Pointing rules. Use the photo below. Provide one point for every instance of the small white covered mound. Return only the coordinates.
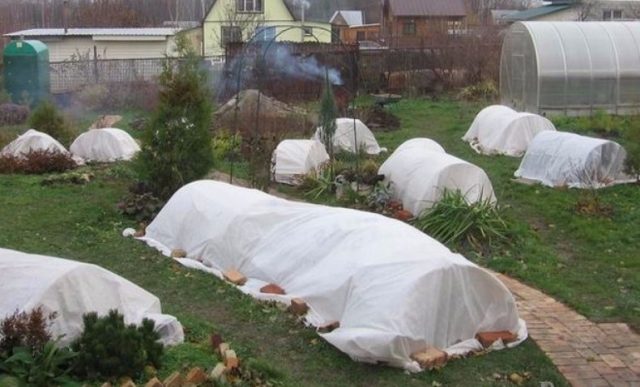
(393, 289)
(293, 159)
(30, 141)
(105, 145)
(501, 130)
(351, 136)
(419, 178)
(425, 144)
(558, 159)
(71, 289)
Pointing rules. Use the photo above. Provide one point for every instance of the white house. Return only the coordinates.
(103, 43)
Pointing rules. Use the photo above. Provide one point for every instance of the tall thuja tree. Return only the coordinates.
(327, 119)
(176, 143)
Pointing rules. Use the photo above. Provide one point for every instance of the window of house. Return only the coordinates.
(454, 27)
(612, 14)
(360, 36)
(231, 34)
(308, 31)
(265, 34)
(409, 27)
(249, 5)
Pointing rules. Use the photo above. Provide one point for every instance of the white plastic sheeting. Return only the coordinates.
(32, 140)
(419, 178)
(352, 135)
(501, 130)
(392, 288)
(293, 159)
(425, 144)
(105, 145)
(558, 159)
(71, 289)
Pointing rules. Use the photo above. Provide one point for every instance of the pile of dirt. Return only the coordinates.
(379, 119)
(274, 116)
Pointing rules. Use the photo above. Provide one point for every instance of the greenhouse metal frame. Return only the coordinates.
(572, 68)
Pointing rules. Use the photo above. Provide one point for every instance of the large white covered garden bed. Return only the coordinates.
(393, 289)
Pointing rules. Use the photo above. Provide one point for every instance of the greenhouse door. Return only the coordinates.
(518, 79)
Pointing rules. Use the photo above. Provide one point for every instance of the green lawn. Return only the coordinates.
(81, 222)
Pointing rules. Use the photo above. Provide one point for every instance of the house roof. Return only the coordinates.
(534, 13)
(427, 8)
(95, 32)
(350, 18)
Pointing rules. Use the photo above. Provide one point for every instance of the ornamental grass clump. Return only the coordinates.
(454, 221)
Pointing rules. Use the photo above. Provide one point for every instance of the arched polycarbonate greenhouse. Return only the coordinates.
(573, 68)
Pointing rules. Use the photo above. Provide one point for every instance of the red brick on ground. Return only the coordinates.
(235, 277)
(488, 338)
(196, 376)
(430, 358)
(298, 306)
(272, 289)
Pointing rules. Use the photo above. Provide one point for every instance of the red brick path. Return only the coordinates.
(587, 354)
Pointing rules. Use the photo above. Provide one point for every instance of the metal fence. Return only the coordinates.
(70, 76)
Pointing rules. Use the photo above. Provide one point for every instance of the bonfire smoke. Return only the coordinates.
(301, 67)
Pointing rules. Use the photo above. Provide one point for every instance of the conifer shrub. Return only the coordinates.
(47, 119)
(176, 143)
(109, 349)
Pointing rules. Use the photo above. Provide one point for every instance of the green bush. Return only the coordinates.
(453, 221)
(632, 135)
(46, 118)
(486, 90)
(225, 145)
(176, 143)
(108, 348)
(48, 367)
(27, 352)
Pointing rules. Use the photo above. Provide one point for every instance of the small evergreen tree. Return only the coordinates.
(176, 144)
(47, 119)
(327, 120)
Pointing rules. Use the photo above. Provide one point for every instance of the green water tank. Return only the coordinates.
(26, 70)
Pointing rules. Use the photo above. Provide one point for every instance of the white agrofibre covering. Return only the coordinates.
(71, 289)
(419, 178)
(32, 140)
(392, 288)
(293, 159)
(425, 144)
(352, 135)
(498, 129)
(558, 159)
(105, 145)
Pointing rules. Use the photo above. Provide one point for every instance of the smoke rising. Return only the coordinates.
(301, 67)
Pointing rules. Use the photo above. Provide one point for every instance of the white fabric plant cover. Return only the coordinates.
(425, 144)
(105, 145)
(293, 159)
(419, 178)
(32, 140)
(392, 288)
(558, 159)
(72, 289)
(501, 130)
(344, 139)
